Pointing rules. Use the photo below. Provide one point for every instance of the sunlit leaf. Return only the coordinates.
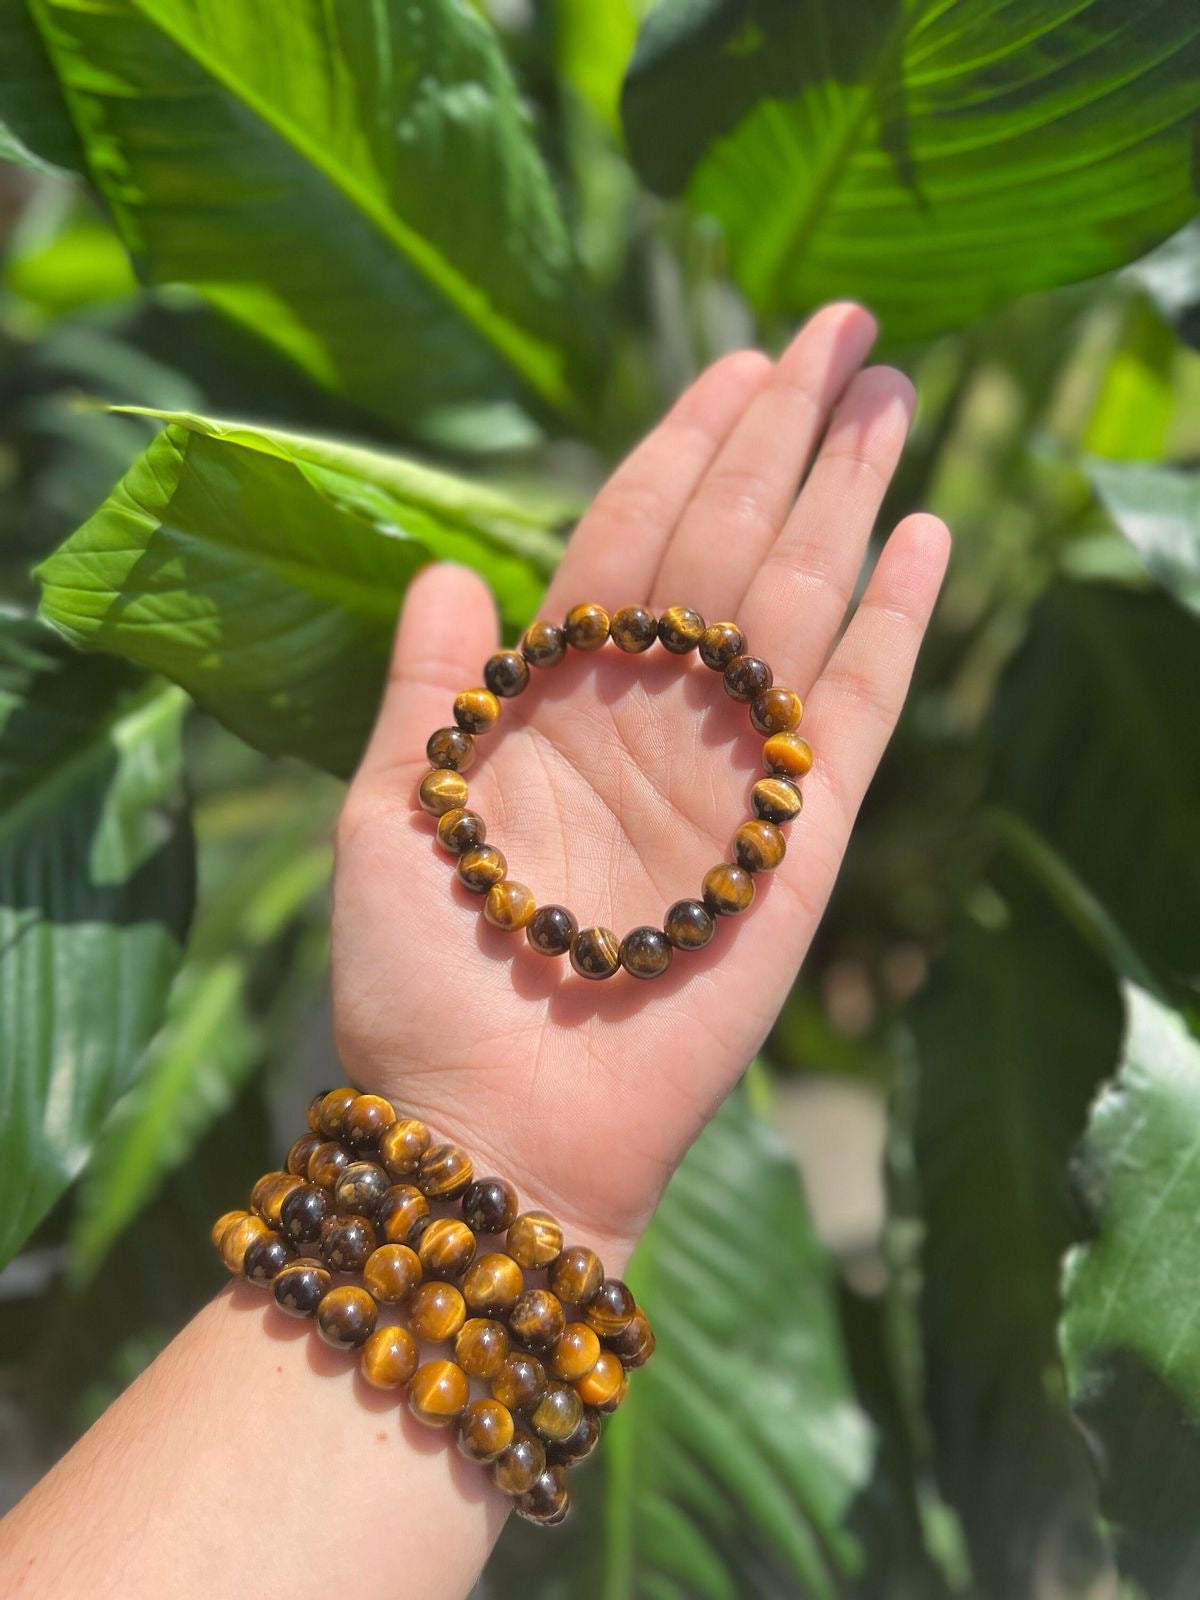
(1158, 510)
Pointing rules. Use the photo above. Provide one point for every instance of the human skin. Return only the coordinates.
(248, 1455)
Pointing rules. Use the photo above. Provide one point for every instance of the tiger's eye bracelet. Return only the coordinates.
(370, 1212)
(728, 888)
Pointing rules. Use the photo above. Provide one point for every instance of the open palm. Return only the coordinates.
(614, 782)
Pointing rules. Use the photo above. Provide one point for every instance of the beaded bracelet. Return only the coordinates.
(728, 888)
(354, 1223)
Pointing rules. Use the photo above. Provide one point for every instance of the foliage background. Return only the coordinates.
(382, 284)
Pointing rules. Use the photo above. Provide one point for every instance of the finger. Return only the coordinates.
(614, 552)
(736, 512)
(447, 631)
(797, 601)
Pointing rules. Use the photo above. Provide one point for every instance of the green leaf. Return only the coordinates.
(264, 571)
(1158, 511)
(35, 129)
(1129, 1330)
(931, 159)
(95, 895)
(357, 184)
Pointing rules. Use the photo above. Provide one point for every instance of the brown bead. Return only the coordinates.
(460, 830)
(360, 1188)
(224, 1221)
(298, 1156)
(442, 790)
(595, 953)
(265, 1256)
(580, 1444)
(391, 1273)
(489, 1205)
(548, 1501)
(493, 1284)
(519, 1467)
(537, 1319)
(476, 710)
(482, 1347)
(509, 906)
(480, 867)
(312, 1115)
(520, 1382)
(775, 800)
(271, 1207)
(535, 1239)
(634, 629)
(450, 747)
(303, 1212)
(368, 1117)
(599, 1386)
(586, 627)
(262, 1188)
(346, 1242)
(436, 1312)
(300, 1287)
(758, 846)
(576, 1353)
(776, 711)
(389, 1358)
(688, 925)
(346, 1317)
(333, 1109)
(485, 1430)
(610, 1309)
(576, 1275)
(551, 929)
(506, 674)
(634, 1345)
(403, 1145)
(558, 1413)
(327, 1163)
(746, 678)
(446, 1248)
(680, 629)
(719, 643)
(727, 889)
(787, 755)
(544, 644)
(438, 1393)
(400, 1207)
(645, 952)
(444, 1172)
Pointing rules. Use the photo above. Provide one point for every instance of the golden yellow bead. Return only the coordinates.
(680, 629)
(493, 1284)
(576, 1353)
(237, 1239)
(446, 1248)
(403, 1145)
(389, 1358)
(586, 626)
(436, 1312)
(460, 830)
(442, 790)
(535, 1239)
(438, 1393)
(727, 889)
(476, 710)
(787, 754)
(775, 800)
(509, 906)
(603, 1382)
(758, 846)
(482, 1347)
(225, 1220)
(391, 1273)
(480, 867)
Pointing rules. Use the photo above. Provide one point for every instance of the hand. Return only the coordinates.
(614, 782)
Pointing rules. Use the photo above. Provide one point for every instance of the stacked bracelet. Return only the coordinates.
(362, 1218)
(728, 888)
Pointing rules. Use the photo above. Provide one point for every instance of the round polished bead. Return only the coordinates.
(634, 1345)
(346, 1242)
(518, 1468)
(360, 1188)
(746, 678)
(226, 1220)
(727, 889)
(680, 629)
(332, 1111)
(389, 1358)
(327, 1163)
(300, 1286)
(603, 1383)
(489, 1205)
(544, 644)
(558, 1413)
(446, 1248)
(506, 674)
(645, 952)
(595, 953)
(271, 1203)
(460, 830)
(576, 1275)
(537, 1319)
(480, 867)
(482, 1347)
(758, 846)
(312, 1115)
(400, 1207)
(576, 1352)
(303, 1212)
(265, 1256)
(444, 1172)
(368, 1117)
(493, 1284)
(520, 1382)
(442, 790)
(476, 710)
(299, 1155)
(391, 1273)
(262, 1188)
(485, 1430)
(775, 800)
(719, 643)
(551, 929)
(534, 1240)
(688, 925)
(776, 711)
(509, 906)
(438, 1393)
(346, 1317)
(580, 1444)
(586, 627)
(436, 1312)
(450, 747)
(548, 1501)
(403, 1145)
(634, 629)
(611, 1308)
(787, 755)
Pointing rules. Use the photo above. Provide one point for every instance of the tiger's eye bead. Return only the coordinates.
(746, 678)
(551, 929)
(506, 674)
(576, 1275)
(436, 1312)
(776, 711)
(576, 1353)
(758, 846)
(460, 830)
(544, 644)
(535, 1239)
(413, 1237)
(634, 1345)
(389, 1358)
(313, 1113)
(400, 1207)
(485, 1430)
(611, 1308)
(346, 1242)
(579, 1444)
(476, 710)
(775, 800)
(482, 1347)
(333, 1109)
(438, 1393)
(446, 1248)
(265, 1256)
(603, 1382)
(391, 1273)
(688, 925)
(360, 1188)
(303, 1212)
(645, 952)
(442, 790)
(509, 906)
(327, 1163)
(260, 1195)
(787, 755)
(489, 1205)
(480, 867)
(595, 953)
(519, 1467)
(300, 1287)
(403, 1145)
(548, 1501)
(450, 747)
(537, 1319)
(298, 1156)
(727, 889)
(680, 629)
(558, 1413)
(493, 1284)
(346, 1317)
(634, 629)
(226, 1220)
(444, 1172)
(586, 627)
(719, 643)
(271, 1204)
(368, 1117)
(520, 1382)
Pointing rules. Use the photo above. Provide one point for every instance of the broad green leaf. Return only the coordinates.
(594, 42)
(1158, 511)
(35, 129)
(264, 571)
(931, 159)
(1129, 1331)
(95, 894)
(359, 184)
